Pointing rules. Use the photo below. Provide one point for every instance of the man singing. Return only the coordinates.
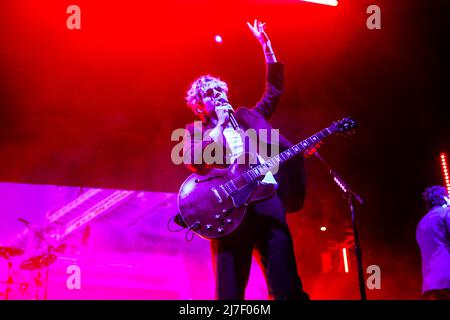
(264, 228)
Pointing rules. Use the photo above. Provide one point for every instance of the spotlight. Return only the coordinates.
(333, 3)
(218, 38)
(323, 228)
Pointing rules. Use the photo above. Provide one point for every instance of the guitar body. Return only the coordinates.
(207, 211)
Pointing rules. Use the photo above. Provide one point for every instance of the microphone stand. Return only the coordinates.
(39, 234)
(231, 117)
(233, 121)
(350, 195)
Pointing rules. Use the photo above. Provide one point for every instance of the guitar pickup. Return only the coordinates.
(216, 193)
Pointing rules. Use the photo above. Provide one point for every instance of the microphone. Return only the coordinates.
(24, 221)
(233, 121)
(224, 102)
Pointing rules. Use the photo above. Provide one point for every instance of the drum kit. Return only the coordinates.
(35, 263)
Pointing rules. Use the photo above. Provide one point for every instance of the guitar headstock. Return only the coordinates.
(345, 126)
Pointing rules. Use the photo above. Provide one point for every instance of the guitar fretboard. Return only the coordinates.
(261, 169)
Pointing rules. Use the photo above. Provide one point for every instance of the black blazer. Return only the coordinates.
(291, 175)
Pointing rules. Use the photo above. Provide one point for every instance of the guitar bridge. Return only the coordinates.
(216, 193)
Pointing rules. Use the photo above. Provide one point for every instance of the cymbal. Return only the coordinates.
(7, 252)
(38, 262)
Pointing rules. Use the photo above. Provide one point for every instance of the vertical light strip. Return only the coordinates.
(344, 255)
(444, 166)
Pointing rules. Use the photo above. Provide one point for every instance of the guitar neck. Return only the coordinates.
(342, 126)
(275, 161)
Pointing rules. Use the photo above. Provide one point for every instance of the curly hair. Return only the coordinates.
(194, 96)
(434, 196)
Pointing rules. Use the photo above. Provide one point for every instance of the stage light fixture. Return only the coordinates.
(333, 3)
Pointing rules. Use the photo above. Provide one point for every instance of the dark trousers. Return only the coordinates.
(264, 229)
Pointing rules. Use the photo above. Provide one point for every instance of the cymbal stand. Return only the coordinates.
(9, 280)
(46, 277)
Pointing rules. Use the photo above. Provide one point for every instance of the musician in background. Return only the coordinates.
(264, 227)
(433, 237)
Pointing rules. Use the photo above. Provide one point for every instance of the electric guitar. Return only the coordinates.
(213, 205)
